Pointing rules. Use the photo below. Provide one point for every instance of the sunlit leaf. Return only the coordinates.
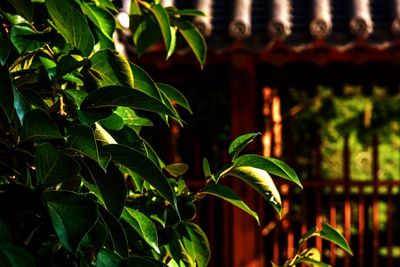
(164, 24)
(201, 247)
(174, 95)
(230, 196)
(177, 169)
(239, 143)
(27, 40)
(100, 17)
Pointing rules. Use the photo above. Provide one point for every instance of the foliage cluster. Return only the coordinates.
(79, 185)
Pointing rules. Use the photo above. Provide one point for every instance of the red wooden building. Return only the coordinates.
(259, 50)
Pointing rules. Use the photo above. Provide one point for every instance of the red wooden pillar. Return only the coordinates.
(245, 235)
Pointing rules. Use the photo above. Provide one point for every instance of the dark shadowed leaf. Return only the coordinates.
(94, 240)
(272, 166)
(71, 24)
(113, 96)
(4, 233)
(201, 247)
(239, 143)
(111, 187)
(143, 166)
(53, 166)
(7, 93)
(27, 40)
(144, 82)
(194, 38)
(119, 243)
(144, 41)
(5, 49)
(23, 7)
(139, 261)
(107, 258)
(261, 181)
(72, 216)
(143, 225)
(15, 256)
(67, 64)
(312, 262)
(81, 138)
(164, 24)
(38, 125)
(111, 68)
(174, 95)
(101, 18)
(227, 194)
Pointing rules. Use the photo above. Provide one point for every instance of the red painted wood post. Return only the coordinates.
(361, 225)
(375, 207)
(245, 231)
(347, 205)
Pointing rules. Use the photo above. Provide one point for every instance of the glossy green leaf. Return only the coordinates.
(180, 254)
(230, 196)
(331, 234)
(38, 125)
(7, 93)
(194, 38)
(15, 256)
(272, 166)
(143, 166)
(239, 143)
(101, 18)
(76, 96)
(71, 24)
(111, 68)
(26, 39)
(23, 7)
(207, 170)
(261, 181)
(72, 216)
(73, 78)
(128, 137)
(81, 138)
(5, 50)
(130, 118)
(53, 166)
(113, 122)
(164, 24)
(110, 185)
(144, 41)
(144, 82)
(311, 262)
(174, 95)
(201, 247)
(107, 258)
(143, 225)
(119, 242)
(5, 235)
(139, 261)
(177, 169)
(67, 64)
(21, 106)
(190, 12)
(113, 96)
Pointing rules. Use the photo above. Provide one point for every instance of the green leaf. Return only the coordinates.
(67, 64)
(5, 235)
(15, 256)
(111, 68)
(230, 196)
(82, 139)
(174, 95)
(71, 24)
(190, 12)
(38, 125)
(101, 18)
(164, 24)
(130, 118)
(107, 258)
(33, 98)
(23, 7)
(53, 166)
(72, 216)
(113, 96)
(27, 40)
(239, 143)
(95, 239)
(5, 50)
(272, 166)
(113, 122)
(76, 96)
(110, 185)
(139, 261)
(261, 181)
(119, 242)
(194, 38)
(177, 169)
(143, 166)
(144, 41)
(312, 262)
(206, 170)
(128, 137)
(201, 247)
(143, 225)
(331, 234)
(144, 82)
(179, 253)
(7, 93)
